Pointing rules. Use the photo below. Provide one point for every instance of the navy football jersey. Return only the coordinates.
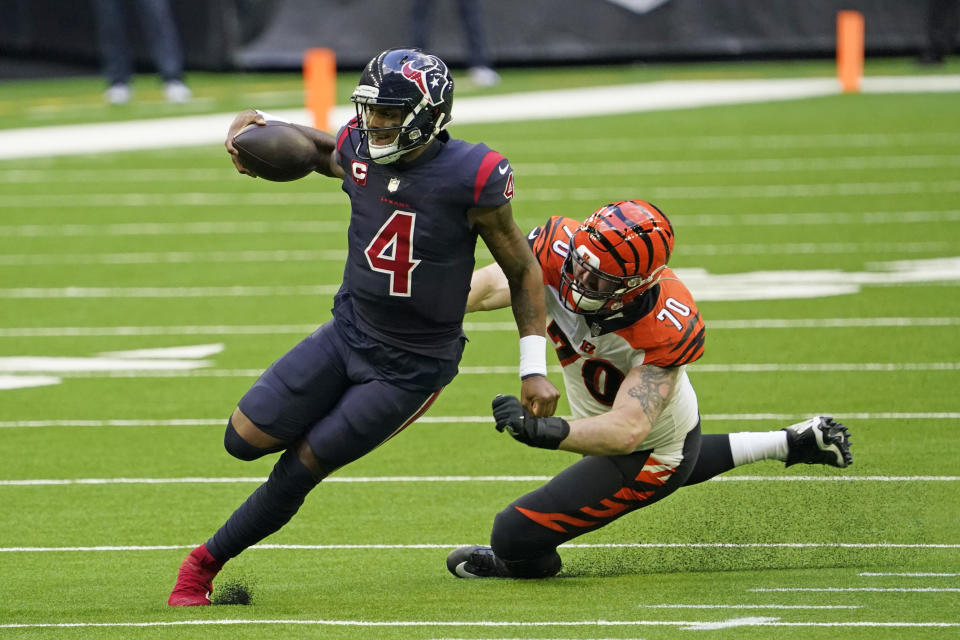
(411, 245)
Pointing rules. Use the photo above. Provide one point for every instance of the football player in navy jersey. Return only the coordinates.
(624, 327)
(418, 199)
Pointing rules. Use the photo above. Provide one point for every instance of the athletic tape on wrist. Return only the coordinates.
(533, 357)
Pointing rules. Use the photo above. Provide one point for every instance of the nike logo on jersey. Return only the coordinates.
(503, 169)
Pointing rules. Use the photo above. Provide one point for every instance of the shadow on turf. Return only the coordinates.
(608, 563)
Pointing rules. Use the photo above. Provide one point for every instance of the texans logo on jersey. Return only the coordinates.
(431, 79)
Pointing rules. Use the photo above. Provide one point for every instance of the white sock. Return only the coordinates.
(750, 446)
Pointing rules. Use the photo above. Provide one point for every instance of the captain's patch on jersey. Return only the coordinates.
(359, 172)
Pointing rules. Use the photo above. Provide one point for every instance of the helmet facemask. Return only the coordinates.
(614, 257)
(608, 293)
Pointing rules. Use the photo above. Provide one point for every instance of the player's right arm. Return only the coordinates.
(641, 399)
(325, 144)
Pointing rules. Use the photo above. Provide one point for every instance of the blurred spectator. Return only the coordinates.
(478, 58)
(156, 20)
(943, 21)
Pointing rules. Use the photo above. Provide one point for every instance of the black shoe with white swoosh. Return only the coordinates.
(475, 562)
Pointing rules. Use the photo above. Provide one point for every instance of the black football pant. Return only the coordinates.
(592, 493)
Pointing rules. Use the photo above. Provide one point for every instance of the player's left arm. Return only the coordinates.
(645, 391)
(512, 253)
(489, 289)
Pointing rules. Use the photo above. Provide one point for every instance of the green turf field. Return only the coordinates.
(109, 477)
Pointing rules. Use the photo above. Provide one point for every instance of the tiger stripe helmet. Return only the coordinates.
(615, 256)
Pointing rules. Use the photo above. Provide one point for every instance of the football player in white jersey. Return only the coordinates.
(624, 328)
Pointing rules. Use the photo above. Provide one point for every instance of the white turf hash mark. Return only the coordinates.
(638, 545)
(708, 417)
(306, 226)
(865, 589)
(297, 329)
(919, 574)
(733, 622)
(394, 479)
(582, 194)
(306, 255)
(479, 623)
(759, 367)
(749, 606)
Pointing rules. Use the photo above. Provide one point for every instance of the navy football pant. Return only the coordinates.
(331, 397)
(592, 493)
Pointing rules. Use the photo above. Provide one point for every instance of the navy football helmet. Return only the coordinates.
(415, 81)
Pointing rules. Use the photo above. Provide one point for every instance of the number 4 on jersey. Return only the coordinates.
(391, 252)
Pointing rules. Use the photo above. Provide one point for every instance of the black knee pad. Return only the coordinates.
(526, 549)
(524, 553)
(239, 448)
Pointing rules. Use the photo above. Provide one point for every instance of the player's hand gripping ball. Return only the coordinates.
(277, 151)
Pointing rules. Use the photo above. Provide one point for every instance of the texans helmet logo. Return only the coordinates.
(431, 80)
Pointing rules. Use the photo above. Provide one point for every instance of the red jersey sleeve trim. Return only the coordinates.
(344, 132)
(490, 160)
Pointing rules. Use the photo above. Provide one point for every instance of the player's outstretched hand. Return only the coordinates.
(510, 416)
(539, 396)
(243, 120)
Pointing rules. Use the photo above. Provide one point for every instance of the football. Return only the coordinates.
(277, 151)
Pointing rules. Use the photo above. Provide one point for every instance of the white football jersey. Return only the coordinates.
(597, 355)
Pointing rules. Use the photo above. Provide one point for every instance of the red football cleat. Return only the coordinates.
(195, 580)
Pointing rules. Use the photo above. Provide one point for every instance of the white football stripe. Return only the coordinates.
(428, 546)
(37, 482)
(284, 256)
(271, 329)
(465, 623)
(428, 419)
(307, 226)
(580, 194)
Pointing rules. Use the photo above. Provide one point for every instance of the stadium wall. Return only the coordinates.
(265, 34)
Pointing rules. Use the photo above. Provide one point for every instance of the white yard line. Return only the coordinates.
(234, 227)
(305, 255)
(123, 229)
(565, 103)
(542, 169)
(686, 624)
(707, 417)
(588, 194)
(858, 589)
(43, 482)
(273, 329)
(811, 367)
(604, 145)
(236, 291)
(414, 547)
(749, 606)
(920, 574)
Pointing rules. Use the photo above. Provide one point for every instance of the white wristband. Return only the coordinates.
(267, 116)
(533, 357)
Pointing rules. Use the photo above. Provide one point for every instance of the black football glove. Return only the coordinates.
(546, 433)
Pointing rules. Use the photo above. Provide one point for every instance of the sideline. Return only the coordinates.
(162, 133)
